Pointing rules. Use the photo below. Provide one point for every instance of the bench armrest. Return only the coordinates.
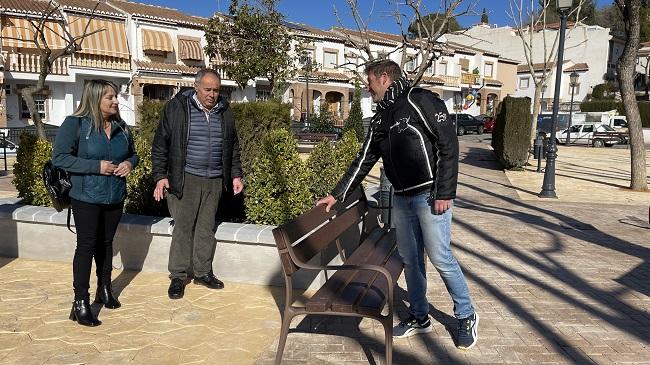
(377, 268)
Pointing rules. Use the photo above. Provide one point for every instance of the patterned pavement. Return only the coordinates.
(554, 282)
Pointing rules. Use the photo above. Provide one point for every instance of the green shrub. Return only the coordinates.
(510, 138)
(28, 169)
(328, 161)
(355, 119)
(254, 120)
(277, 188)
(324, 121)
(603, 91)
(140, 182)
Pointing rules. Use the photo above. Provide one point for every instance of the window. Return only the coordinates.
(431, 69)
(443, 68)
(382, 55)
(587, 129)
(575, 128)
(524, 82)
(410, 65)
(489, 68)
(622, 123)
(464, 64)
(576, 89)
(7, 89)
(262, 94)
(39, 99)
(330, 59)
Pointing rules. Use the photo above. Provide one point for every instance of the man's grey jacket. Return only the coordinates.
(417, 142)
(169, 148)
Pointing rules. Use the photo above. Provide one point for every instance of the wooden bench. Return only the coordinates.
(316, 137)
(362, 285)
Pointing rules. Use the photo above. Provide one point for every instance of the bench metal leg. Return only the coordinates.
(284, 332)
(388, 330)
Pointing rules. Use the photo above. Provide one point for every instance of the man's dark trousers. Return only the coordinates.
(193, 243)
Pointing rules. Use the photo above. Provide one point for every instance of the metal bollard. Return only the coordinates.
(538, 151)
(385, 197)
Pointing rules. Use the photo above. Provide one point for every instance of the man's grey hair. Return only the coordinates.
(206, 71)
(377, 68)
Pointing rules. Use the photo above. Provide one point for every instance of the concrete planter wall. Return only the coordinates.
(245, 252)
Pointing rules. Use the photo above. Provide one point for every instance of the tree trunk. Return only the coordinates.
(537, 103)
(626, 71)
(28, 94)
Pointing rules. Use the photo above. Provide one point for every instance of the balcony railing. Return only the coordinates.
(453, 81)
(101, 61)
(32, 63)
(469, 79)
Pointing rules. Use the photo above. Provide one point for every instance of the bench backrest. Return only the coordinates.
(312, 232)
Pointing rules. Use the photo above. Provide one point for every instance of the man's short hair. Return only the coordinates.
(391, 68)
(206, 71)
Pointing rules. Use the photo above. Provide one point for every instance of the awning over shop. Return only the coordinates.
(190, 49)
(19, 32)
(153, 40)
(109, 39)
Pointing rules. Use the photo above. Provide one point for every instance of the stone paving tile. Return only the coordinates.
(555, 282)
(206, 327)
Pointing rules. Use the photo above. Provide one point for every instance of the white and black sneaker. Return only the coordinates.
(412, 326)
(467, 332)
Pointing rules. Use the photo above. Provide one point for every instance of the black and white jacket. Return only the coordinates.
(416, 139)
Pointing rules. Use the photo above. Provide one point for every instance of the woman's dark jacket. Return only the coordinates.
(79, 149)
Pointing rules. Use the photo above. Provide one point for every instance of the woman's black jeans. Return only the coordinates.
(96, 225)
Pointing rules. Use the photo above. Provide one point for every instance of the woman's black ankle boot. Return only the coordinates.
(81, 313)
(105, 295)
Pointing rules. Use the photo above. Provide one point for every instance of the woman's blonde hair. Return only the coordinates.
(92, 95)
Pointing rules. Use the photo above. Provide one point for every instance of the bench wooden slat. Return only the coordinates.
(308, 221)
(324, 236)
(373, 302)
(363, 280)
(322, 299)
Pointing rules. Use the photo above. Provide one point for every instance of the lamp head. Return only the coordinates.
(574, 78)
(564, 5)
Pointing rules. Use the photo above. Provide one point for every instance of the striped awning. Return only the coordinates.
(190, 49)
(109, 39)
(153, 40)
(19, 32)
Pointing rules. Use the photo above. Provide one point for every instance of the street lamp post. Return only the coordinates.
(308, 68)
(574, 82)
(543, 91)
(548, 187)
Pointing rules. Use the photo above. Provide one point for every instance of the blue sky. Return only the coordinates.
(320, 13)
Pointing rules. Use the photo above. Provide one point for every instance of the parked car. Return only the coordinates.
(488, 122)
(10, 146)
(584, 134)
(467, 123)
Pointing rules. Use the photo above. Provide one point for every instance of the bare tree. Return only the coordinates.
(426, 45)
(626, 71)
(528, 20)
(39, 29)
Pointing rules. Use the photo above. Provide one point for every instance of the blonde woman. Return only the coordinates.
(95, 146)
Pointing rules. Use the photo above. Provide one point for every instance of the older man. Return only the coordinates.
(195, 154)
(417, 142)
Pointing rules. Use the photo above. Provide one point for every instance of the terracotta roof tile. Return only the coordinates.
(86, 6)
(158, 13)
(578, 67)
(35, 7)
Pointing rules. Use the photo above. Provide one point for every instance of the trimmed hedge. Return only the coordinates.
(328, 162)
(254, 120)
(277, 188)
(355, 118)
(606, 105)
(323, 122)
(28, 169)
(140, 182)
(511, 134)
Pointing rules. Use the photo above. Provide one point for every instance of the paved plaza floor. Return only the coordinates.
(554, 281)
